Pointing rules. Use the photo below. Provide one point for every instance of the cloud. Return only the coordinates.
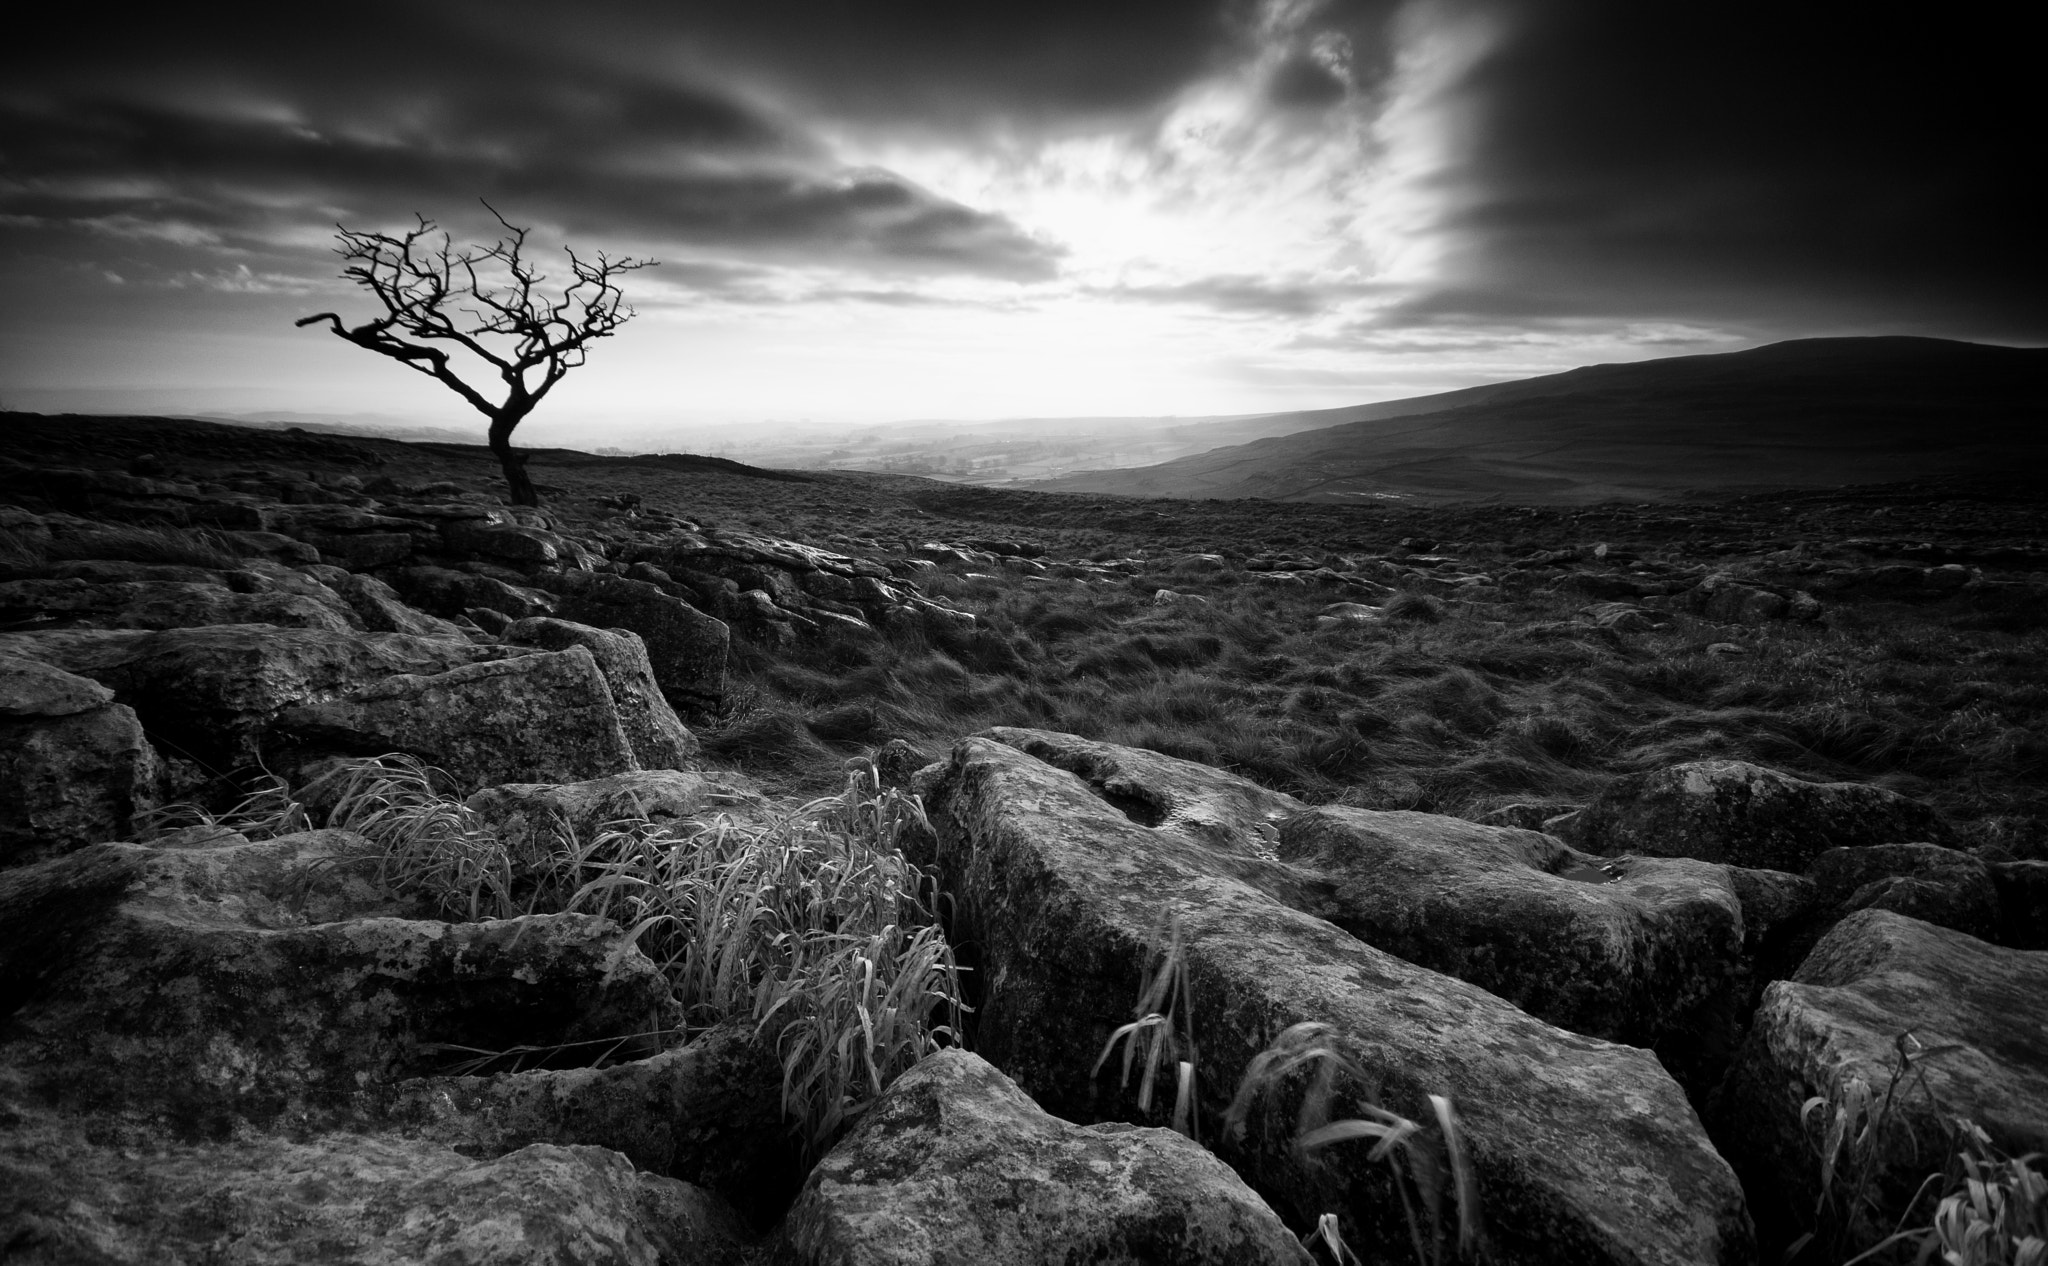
(287, 138)
(1241, 294)
(1128, 194)
(1803, 164)
(1302, 82)
(941, 65)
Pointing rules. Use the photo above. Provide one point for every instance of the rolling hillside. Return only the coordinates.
(1811, 412)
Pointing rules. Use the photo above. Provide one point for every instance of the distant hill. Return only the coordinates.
(377, 425)
(1005, 450)
(1810, 412)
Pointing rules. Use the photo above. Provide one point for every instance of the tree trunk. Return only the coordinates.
(513, 464)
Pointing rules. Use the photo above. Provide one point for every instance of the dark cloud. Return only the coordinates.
(1237, 293)
(1796, 162)
(1302, 82)
(941, 62)
(244, 137)
(1811, 167)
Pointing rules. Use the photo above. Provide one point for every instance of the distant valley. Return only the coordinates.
(1806, 413)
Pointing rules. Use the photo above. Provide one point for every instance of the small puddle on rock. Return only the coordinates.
(1138, 809)
(1588, 874)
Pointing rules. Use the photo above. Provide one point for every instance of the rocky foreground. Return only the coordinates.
(227, 1049)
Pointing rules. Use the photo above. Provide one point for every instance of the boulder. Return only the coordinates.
(274, 545)
(1338, 614)
(76, 767)
(953, 1163)
(166, 605)
(1723, 597)
(1745, 815)
(524, 547)
(31, 688)
(1629, 950)
(658, 739)
(107, 571)
(1924, 881)
(898, 760)
(349, 536)
(709, 1113)
(344, 1198)
(360, 551)
(1583, 1150)
(1875, 977)
(335, 520)
(47, 908)
(208, 694)
(257, 981)
(543, 717)
(447, 592)
(380, 608)
(686, 647)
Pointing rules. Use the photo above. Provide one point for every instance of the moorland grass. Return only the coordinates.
(1446, 705)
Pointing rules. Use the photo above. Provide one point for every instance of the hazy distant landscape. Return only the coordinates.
(1808, 413)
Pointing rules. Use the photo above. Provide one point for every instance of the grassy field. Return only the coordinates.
(1442, 705)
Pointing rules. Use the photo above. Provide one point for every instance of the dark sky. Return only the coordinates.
(883, 210)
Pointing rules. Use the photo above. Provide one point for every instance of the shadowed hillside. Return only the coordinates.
(1812, 412)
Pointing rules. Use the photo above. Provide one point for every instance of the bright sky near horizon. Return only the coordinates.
(893, 210)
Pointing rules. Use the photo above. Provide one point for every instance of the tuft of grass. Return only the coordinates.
(1162, 1000)
(1990, 1209)
(429, 843)
(811, 924)
(265, 812)
(22, 554)
(1419, 608)
(767, 736)
(1431, 1169)
(1994, 1208)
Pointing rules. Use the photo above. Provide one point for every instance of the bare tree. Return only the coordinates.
(484, 300)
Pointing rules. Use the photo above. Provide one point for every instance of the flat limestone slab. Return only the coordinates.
(1585, 1151)
(1625, 954)
(345, 1200)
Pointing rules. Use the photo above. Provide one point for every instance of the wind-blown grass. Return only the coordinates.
(810, 924)
(1431, 1171)
(267, 810)
(1448, 704)
(1162, 1036)
(1989, 1209)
